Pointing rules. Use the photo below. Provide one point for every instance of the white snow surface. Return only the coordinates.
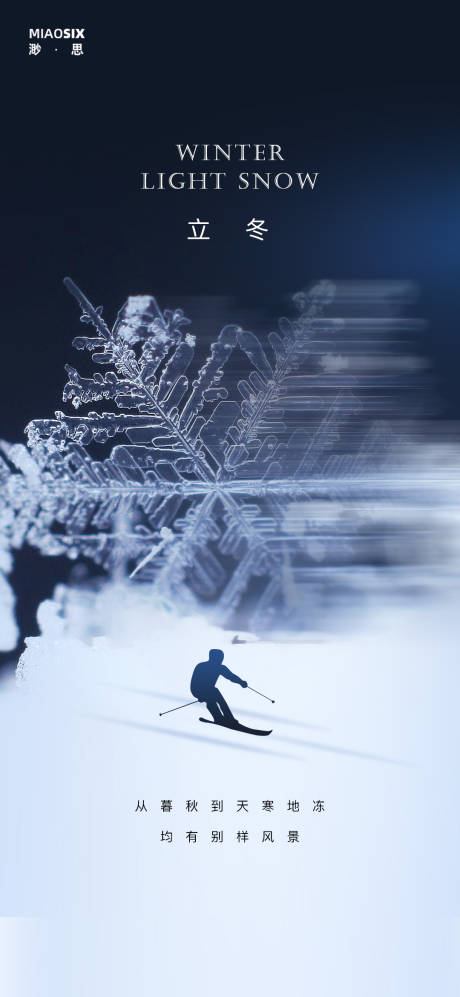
(365, 905)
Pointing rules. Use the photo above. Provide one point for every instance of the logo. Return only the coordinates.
(56, 33)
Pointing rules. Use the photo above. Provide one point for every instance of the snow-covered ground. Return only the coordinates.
(364, 905)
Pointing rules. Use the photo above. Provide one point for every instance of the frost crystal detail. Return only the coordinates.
(210, 493)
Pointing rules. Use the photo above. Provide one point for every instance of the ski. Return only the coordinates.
(237, 726)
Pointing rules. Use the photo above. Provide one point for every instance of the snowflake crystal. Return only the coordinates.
(205, 497)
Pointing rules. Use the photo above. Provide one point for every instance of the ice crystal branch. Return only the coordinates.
(203, 489)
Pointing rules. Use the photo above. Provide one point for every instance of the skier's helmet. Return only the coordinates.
(216, 656)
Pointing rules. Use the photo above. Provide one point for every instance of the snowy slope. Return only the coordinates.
(365, 720)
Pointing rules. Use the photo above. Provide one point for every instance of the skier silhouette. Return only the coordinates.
(203, 686)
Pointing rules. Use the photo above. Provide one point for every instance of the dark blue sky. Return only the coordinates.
(372, 108)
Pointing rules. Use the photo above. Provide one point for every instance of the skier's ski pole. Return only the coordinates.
(261, 694)
(178, 707)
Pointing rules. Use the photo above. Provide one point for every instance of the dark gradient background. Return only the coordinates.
(371, 105)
